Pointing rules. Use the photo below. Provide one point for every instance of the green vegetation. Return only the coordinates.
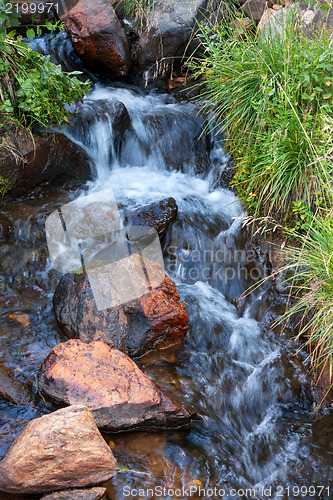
(312, 289)
(33, 91)
(273, 96)
(39, 91)
(137, 9)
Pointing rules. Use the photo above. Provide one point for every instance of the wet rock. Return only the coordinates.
(102, 110)
(21, 265)
(27, 163)
(110, 384)
(157, 215)
(5, 227)
(196, 143)
(166, 38)
(98, 36)
(55, 452)
(14, 391)
(92, 494)
(154, 321)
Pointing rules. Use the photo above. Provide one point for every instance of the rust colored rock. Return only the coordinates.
(119, 395)
(92, 494)
(55, 452)
(154, 321)
(157, 215)
(98, 36)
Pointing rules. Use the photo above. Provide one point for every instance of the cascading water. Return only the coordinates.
(232, 372)
(250, 389)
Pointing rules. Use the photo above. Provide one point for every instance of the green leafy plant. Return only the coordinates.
(33, 89)
(42, 90)
(5, 185)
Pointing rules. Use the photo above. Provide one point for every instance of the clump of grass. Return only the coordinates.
(135, 9)
(273, 95)
(312, 289)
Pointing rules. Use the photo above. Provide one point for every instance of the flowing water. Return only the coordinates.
(252, 392)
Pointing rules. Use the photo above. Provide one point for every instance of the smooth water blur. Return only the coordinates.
(251, 390)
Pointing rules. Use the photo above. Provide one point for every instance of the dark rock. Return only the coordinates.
(5, 227)
(14, 391)
(190, 132)
(157, 215)
(27, 163)
(154, 321)
(21, 264)
(101, 110)
(110, 384)
(98, 36)
(92, 494)
(254, 9)
(55, 452)
(170, 29)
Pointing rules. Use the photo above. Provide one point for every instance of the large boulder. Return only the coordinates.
(97, 36)
(158, 215)
(169, 28)
(110, 384)
(27, 162)
(55, 452)
(154, 321)
(92, 494)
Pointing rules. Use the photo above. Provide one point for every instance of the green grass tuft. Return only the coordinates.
(274, 99)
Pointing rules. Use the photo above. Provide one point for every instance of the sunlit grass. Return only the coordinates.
(273, 97)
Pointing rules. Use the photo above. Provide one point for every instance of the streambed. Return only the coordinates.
(253, 393)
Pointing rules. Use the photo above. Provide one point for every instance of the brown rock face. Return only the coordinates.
(27, 164)
(12, 390)
(98, 36)
(110, 384)
(55, 452)
(92, 494)
(154, 321)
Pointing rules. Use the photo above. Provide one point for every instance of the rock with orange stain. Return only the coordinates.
(21, 318)
(55, 452)
(154, 321)
(97, 36)
(119, 395)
